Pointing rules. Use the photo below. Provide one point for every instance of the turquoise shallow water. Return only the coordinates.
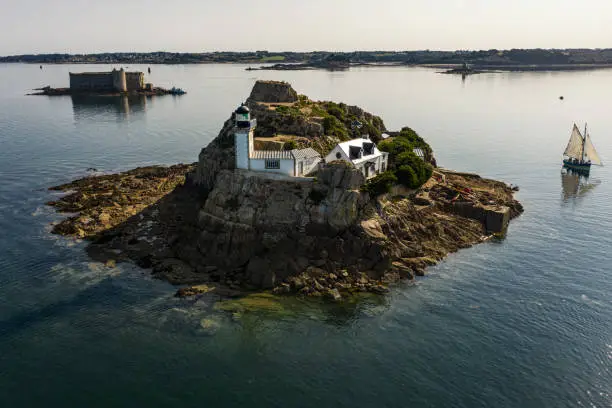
(523, 322)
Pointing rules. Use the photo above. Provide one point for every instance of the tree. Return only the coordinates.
(380, 184)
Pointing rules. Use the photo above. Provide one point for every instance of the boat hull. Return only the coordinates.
(584, 167)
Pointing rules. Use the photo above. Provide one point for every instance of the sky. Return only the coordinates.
(85, 26)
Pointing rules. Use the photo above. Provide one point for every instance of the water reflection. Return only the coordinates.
(576, 184)
(94, 107)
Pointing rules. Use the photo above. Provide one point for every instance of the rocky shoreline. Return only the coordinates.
(138, 216)
(212, 228)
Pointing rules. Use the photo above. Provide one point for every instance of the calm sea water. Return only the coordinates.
(523, 322)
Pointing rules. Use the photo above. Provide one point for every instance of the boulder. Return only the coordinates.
(341, 175)
(333, 294)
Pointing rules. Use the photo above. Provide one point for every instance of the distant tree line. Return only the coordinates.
(482, 57)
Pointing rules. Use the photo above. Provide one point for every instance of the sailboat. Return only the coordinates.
(580, 153)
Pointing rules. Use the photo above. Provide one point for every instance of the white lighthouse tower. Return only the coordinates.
(243, 136)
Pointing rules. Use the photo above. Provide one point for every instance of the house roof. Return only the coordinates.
(308, 153)
(358, 143)
(272, 154)
(295, 154)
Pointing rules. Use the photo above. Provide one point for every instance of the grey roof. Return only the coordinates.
(272, 154)
(308, 153)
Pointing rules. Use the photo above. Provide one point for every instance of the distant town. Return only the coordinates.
(325, 59)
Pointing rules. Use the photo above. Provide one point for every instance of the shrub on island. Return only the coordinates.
(410, 170)
(381, 184)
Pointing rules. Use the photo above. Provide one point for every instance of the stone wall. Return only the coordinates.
(134, 81)
(495, 219)
(86, 81)
(115, 80)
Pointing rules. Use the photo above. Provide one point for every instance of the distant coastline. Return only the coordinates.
(488, 60)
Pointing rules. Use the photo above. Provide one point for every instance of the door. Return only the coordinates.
(300, 168)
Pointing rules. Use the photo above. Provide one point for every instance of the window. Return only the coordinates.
(272, 164)
(338, 155)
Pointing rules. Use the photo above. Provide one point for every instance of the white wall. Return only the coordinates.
(360, 163)
(286, 166)
(377, 166)
(332, 155)
(309, 165)
(242, 150)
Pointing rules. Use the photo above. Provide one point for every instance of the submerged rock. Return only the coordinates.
(193, 291)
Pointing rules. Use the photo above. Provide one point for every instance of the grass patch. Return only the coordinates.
(273, 58)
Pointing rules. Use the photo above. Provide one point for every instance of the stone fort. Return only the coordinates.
(113, 81)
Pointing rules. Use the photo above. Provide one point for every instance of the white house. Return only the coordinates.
(363, 154)
(296, 163)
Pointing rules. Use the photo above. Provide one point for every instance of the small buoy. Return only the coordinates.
(561, 97)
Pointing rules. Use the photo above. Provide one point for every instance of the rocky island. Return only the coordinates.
(293, 196)
(111, 83)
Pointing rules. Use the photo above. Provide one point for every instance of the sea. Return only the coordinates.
(524, 321)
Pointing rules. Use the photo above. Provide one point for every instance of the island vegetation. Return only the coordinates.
(513, 59)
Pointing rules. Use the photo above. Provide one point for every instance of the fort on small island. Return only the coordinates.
(115, 82)
(314, 198)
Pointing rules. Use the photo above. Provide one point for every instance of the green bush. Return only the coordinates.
(414, 139)
(421, 170)
(333, 127)
(372, 131)
(395, 147)
(317, 110)
(409, 169)
(337, 112)
(283, 110)
(380, 184)
(378, 123)
(290, 145)
(293, 110)
(406, 176)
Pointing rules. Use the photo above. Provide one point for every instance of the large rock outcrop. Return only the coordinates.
(273, 92)
(274, 227)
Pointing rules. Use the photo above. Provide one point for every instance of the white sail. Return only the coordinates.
(574, 146)
(590, 153)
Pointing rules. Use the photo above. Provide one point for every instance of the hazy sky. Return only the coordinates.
(85, 26)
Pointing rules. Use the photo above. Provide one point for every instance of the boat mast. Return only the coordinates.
(583, 142)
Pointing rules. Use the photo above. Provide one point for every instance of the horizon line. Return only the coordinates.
(306, 52)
